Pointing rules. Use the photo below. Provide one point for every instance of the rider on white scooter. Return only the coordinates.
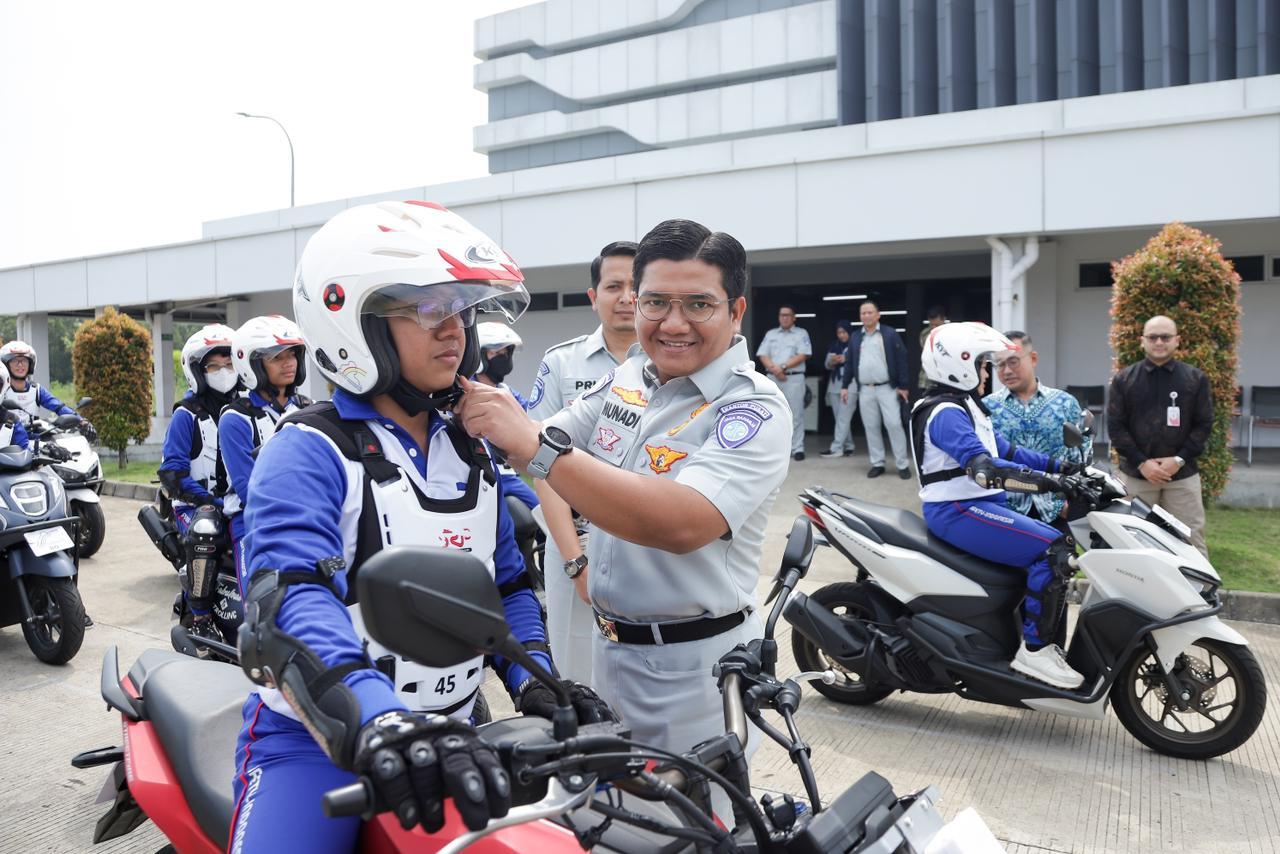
(965, 466)
(386, 296)
(20, 359)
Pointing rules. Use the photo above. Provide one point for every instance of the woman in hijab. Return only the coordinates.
(842, 440)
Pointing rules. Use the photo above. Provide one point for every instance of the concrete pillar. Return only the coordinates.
(1044, 50)
(1129, 59)
(884, 60)
(1083, 45)
(1175, 43)
(1268, 37)
(161, 323)
(237, 313)
(34, 329)
(1001, 57)
(851, 62)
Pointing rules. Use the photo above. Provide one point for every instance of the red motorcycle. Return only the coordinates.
(573, 788)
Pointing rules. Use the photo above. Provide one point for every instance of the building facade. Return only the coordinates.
(991, 157)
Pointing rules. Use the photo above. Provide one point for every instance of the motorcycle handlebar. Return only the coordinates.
(349, 801)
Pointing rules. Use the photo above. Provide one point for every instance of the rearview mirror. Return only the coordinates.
(799, 550)
(1071, 435)
(66, 422)
(10, 404)
(84, 401)
(431, 605)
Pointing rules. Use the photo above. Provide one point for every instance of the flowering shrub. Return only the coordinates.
(1181, 273)
(112, 362)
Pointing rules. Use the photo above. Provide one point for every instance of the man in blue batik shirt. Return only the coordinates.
(1030, 415)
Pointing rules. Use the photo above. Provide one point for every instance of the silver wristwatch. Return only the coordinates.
(1180, 461)
(554, 443)
(577, 566)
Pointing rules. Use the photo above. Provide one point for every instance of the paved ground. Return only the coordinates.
(1042, 783)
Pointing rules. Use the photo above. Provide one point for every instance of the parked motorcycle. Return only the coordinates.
(38, 590)
(81, 475)
(572, 788)
(924, 616)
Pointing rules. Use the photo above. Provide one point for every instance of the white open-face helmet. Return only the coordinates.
(261, 338)
(953, 351)
(413, 259)
(14, 349)
(497, 336)
(215, 336)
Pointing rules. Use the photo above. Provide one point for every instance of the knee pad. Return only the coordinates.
(203, 544)
(1061, 556)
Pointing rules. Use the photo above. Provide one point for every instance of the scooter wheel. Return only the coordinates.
(1224, 689)
(92, 530)
(58, 630)
(847, 601)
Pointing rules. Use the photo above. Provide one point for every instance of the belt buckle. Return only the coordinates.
(607, 628)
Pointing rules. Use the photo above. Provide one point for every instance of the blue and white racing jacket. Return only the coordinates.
(308, 502)
(191, 446)
(243, 426)
(37, 397)
(954, 434)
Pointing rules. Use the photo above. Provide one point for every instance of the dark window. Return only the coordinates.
(1095, 275)
(545, 301)
(1252, 268)
(577, 300)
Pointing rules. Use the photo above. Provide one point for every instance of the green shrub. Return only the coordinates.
(112, 361)
(1181, 273)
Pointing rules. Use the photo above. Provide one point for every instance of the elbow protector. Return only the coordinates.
(988, 475)
(315, 691)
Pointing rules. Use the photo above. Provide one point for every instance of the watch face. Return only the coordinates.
(555, 434)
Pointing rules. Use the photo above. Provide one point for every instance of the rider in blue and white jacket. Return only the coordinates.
(386, 297)
(270, 361)
(20, 359)
(965, 466)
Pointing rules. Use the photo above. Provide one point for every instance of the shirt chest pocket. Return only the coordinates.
(571, 388)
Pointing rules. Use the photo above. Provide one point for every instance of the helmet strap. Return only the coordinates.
(415, 402)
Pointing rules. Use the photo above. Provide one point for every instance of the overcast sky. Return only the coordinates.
(117, 125)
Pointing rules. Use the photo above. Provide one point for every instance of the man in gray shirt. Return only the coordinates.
(568, 370)
(676, 458)
(877, 361)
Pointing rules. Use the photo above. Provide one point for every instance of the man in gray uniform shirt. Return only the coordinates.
(568, 369)
(676, 458)
(783, 352)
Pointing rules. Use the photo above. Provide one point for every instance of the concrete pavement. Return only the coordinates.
(1042, 783)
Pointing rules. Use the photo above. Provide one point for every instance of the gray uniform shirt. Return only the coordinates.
(724, 431)
(872, 366)
(782, 344)
(568, 369)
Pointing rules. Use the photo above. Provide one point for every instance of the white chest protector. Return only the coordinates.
(937, 460)
(29, 400)
(204, 461)
(263, 420)
(454, 507)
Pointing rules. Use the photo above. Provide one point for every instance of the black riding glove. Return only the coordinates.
(89, 432)
(56, 452)
(540, 701)
(1070, 468)
(414, 762)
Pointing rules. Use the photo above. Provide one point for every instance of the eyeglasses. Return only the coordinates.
(1010, 364)
(697, 308)
(1160, 336)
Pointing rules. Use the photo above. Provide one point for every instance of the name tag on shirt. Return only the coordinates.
(1172, 417)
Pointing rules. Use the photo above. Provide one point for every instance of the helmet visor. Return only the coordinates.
(431, 305)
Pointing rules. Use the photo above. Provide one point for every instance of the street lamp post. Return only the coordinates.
(287, 139)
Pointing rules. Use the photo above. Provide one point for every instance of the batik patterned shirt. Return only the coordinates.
(1037, 426)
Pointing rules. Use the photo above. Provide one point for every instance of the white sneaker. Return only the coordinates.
(826, 455)
(1048, 664)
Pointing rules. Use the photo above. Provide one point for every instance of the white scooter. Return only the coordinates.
(81, 475)
(924, 616)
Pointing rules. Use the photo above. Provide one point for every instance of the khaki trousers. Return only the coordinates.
(1179, 497)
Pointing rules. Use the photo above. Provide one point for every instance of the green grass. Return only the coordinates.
(1244, 545)
(138, 471)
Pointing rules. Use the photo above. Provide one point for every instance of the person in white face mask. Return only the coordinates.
(191, 473)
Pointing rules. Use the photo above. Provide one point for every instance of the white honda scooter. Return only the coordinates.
(81, 475)
(924, 616)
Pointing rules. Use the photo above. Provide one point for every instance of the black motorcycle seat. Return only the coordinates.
(195, 707)
(521, 518)
(905, 529)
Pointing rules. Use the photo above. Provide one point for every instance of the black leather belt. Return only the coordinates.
(871, 385)
(793, 373)
(648, 633)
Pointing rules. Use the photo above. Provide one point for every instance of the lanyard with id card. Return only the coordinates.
(1173, 415)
